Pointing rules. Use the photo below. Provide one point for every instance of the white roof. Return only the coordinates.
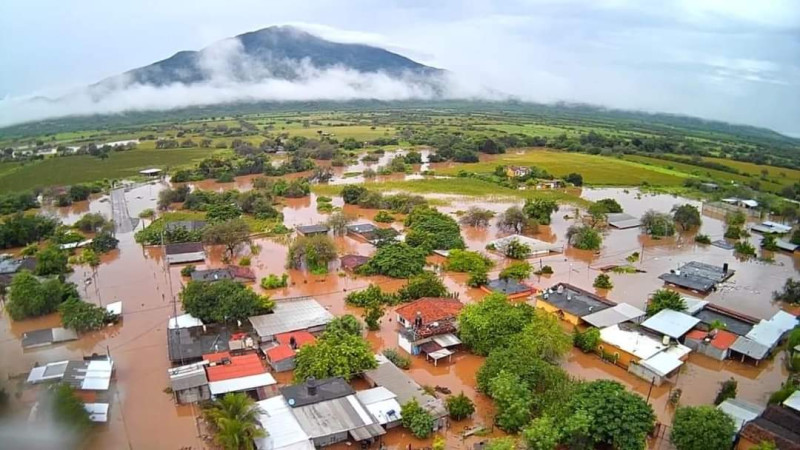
(98, 412)
(47, 372)
(98, 375)
(184, 321)
(694, 305)
(114, 308)
(381, 403)
(662, 363)
(284, 431)
(793, 401)
(740, 411)
(622, 312)
(535, 245)
(241, 383)
(439, 354)
(72, 245)
(671, 323)
(765, 333)
(777, 226)
(750, 203)
(447, 340)
(633, 342)
(783, 321)
(291, 315)
(149, 171)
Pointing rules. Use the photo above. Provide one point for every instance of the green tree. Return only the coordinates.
(315, 252)
(492, 322)
(657, 224)
(476, 217)
(617, 417)
(513, 401)
(610, 205)
(223, 301)
(67, 408)
(223, 212)
(372, 315)
(702, 428)
(584, 238)
(397, 260)
(51, 260)
(542, 434)
(504, 443)
(346, 324)
(104, 242)
(516, 271)
(334, 355)
(686, 216)
(82, 316)
(92, 223)
(478, 278)
(460, 406)
(338, 223)
(431, 230)
(515, 249)
(727, 389)
(30, 297)
(603, 281)
(744, 248)
(587, 340)
(575, 178)
(790, 293)
(770, 243)
(351, 193)
(795, 237)
(665, 299)
(540, 210)
(467, 261)
(235, 419)
(426, 284)
(232, 234)
(514, 220)
(418, 421)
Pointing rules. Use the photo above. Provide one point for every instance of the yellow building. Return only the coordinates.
(571, 303)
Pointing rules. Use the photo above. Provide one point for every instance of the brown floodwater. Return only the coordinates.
(142, 416)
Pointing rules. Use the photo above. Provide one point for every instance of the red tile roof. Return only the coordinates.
(240, 366)
(301, 338)
(697, 335)
(280, 352)
(723, 340)
(432, 309)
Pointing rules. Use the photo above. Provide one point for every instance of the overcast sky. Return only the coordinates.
(734, 60)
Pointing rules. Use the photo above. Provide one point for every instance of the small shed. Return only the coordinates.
(211, 275)
(741, 411)
(697, 276)
(189, 383)
(715, 344)
(47, 336)
(303, 313)
(244, 373)
(185, 252)
(383, 405)
(512, 289)
(282, 356)
(353, 262)
(622, 312)
(150, 172)
(622, 221)
(310, 230)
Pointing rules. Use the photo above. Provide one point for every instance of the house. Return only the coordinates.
(245, 373)
(242, 274)
(769, 227)
(383, 405)
(571, 303)
(188, 339)
(300, 314)
(764, 337)
(622, 221)
(512, 289)
(536, 246)
(715, 344)
(742, 203)
(668, 322)
(185, 252)
(619, 313)
(90, 378)
(189, 383)
(211, 275)
(47, 336)
(329, 412)
(698, 277)
(734, 322)
(741, 411)
(778, 424)
(10, 266)
(549, 184)
(150, 172)
(365, 231)
(283, 430)
(643, 354)
(310, 230)
(281, 356)
(787, 246)
(352, 262)
(427, 325)
(517, 171)
(406, 389)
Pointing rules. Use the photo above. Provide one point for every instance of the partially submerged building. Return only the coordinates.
(778, 424)
(769, 227)
(311, 230)
(383, 405)
(47, 336)
(211, 275)
(283, 430)
(188, 339)
(281, 357)
(622, 221)
(244, 374)
(698, 277)
(90, 378)
(512, 289)
(641, 353)
(671, 323)
(189, 383)
(428, 325)
(301, 314)
(617, 314)
(185, 252)
(188, 225)
(537, 247)
(352, 262)
(406, 389)
(370, 233)
(571, 303)
(741, 411)
(764, 337)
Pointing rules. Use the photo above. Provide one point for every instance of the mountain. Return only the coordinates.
(280, 52)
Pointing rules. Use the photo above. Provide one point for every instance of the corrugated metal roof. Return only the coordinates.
(188, 376)
(740, 411)
(622, 312)
(241, 383)
(376, 394)
(671, 323)
(662, 363)
(750, 348)
(285, 432)
(793, 401)
(395, 380)
(447, 340)
(633, 342)
(184, 321)
(291, 315)
(622, 220)
(98, 412)
(765, 333)
(344, 414)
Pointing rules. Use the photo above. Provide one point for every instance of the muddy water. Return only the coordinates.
(138, 345)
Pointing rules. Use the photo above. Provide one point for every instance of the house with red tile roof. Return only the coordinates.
(714, 344)
(244, 373)
(282, 356)
(428, 326)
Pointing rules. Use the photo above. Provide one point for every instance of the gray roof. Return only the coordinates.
(750, 348)
(574, 300)
(187, 377)
(732, 324)
(46, 336)
(507, 287)
(362, 228)
(622, 220)
(740, 411)
(723, 244)
(9, 265)
(403, 386)
(184, 247)
(344, 414)
(190, 344)
(312, 229)
(697, 276)
(212, 275)
(622, 312)
(291, 315)
(786, 245)
(671, 323)
(326, 389)
(188, 225)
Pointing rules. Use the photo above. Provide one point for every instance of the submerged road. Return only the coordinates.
(119, 210)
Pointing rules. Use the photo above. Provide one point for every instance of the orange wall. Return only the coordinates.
(625, 359)
(567, 317)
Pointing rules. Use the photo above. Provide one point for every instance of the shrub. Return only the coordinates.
(315, 252)
(426, 284)
(384, 217)
(727, 389)
(545, 270)
(187, 270)
(476, 217)
(81, 316)
(418, 421)
(686, 216)
(478, 278)
(517, 250)
(272, 281)
(460, 406)
(744, 248)
(789, 294)
(658, 224)
(244, 261)
(603, 281)
(401, 361)
(467, 261)
(586, 340)
(702, 239)
(665, 299)
(584, 238)
(516, 271)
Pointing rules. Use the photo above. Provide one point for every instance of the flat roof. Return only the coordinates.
(344, 414)
(749, 347)
(188, 376)
(634, 342)
(741, 411)
(536, 246)
(48, 372)
(622, 220)
(245, 383)
(184, 321)
(662, 363)
(732, 324)
(186, 344)
(98, 412)
(94, 375)
(150, 171)
(362, 228)
(291, 315)
(312, 229)
(403, 386)
(793, 401)
(211, 275)
(671, 323)
(283, 430)
(326, 389)
(184, 247)
(697, 276)
(47, 336)
(508, 287)
(622, 312)
(574, 300)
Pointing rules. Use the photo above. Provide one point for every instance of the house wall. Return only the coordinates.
(706, 349)
(403, 343)
(186, 257)
(330, 439)
(645, 374)
(283, 365)
(193, 395)
(624, 359)
(565, 316)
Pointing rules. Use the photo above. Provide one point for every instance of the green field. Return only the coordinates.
(596, 170)
(780, 175)
(80, 169)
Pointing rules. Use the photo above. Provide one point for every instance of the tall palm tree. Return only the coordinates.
(235, 417)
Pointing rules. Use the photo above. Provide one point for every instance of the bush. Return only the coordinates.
(476, 217)
(727, 389)
(584, 238)
(426, 284)
(478, 278)
(789, 294)
(516, 271)
(665, 299)
(315, 252)
(351, 193)
(702, 239)
(81, 316)
(396, 260)
(603, 281)
(272, 281)
(467, 261)
(372, 294)
(545, 270)
(188, 270)
(658, 224)
(460, 407)
(384, 217)
(416, 420)
(744, 248)
(244, 261)
(68, 410)
(401, 361)
(586, 340)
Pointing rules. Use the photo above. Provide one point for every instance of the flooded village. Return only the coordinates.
(152, 370)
